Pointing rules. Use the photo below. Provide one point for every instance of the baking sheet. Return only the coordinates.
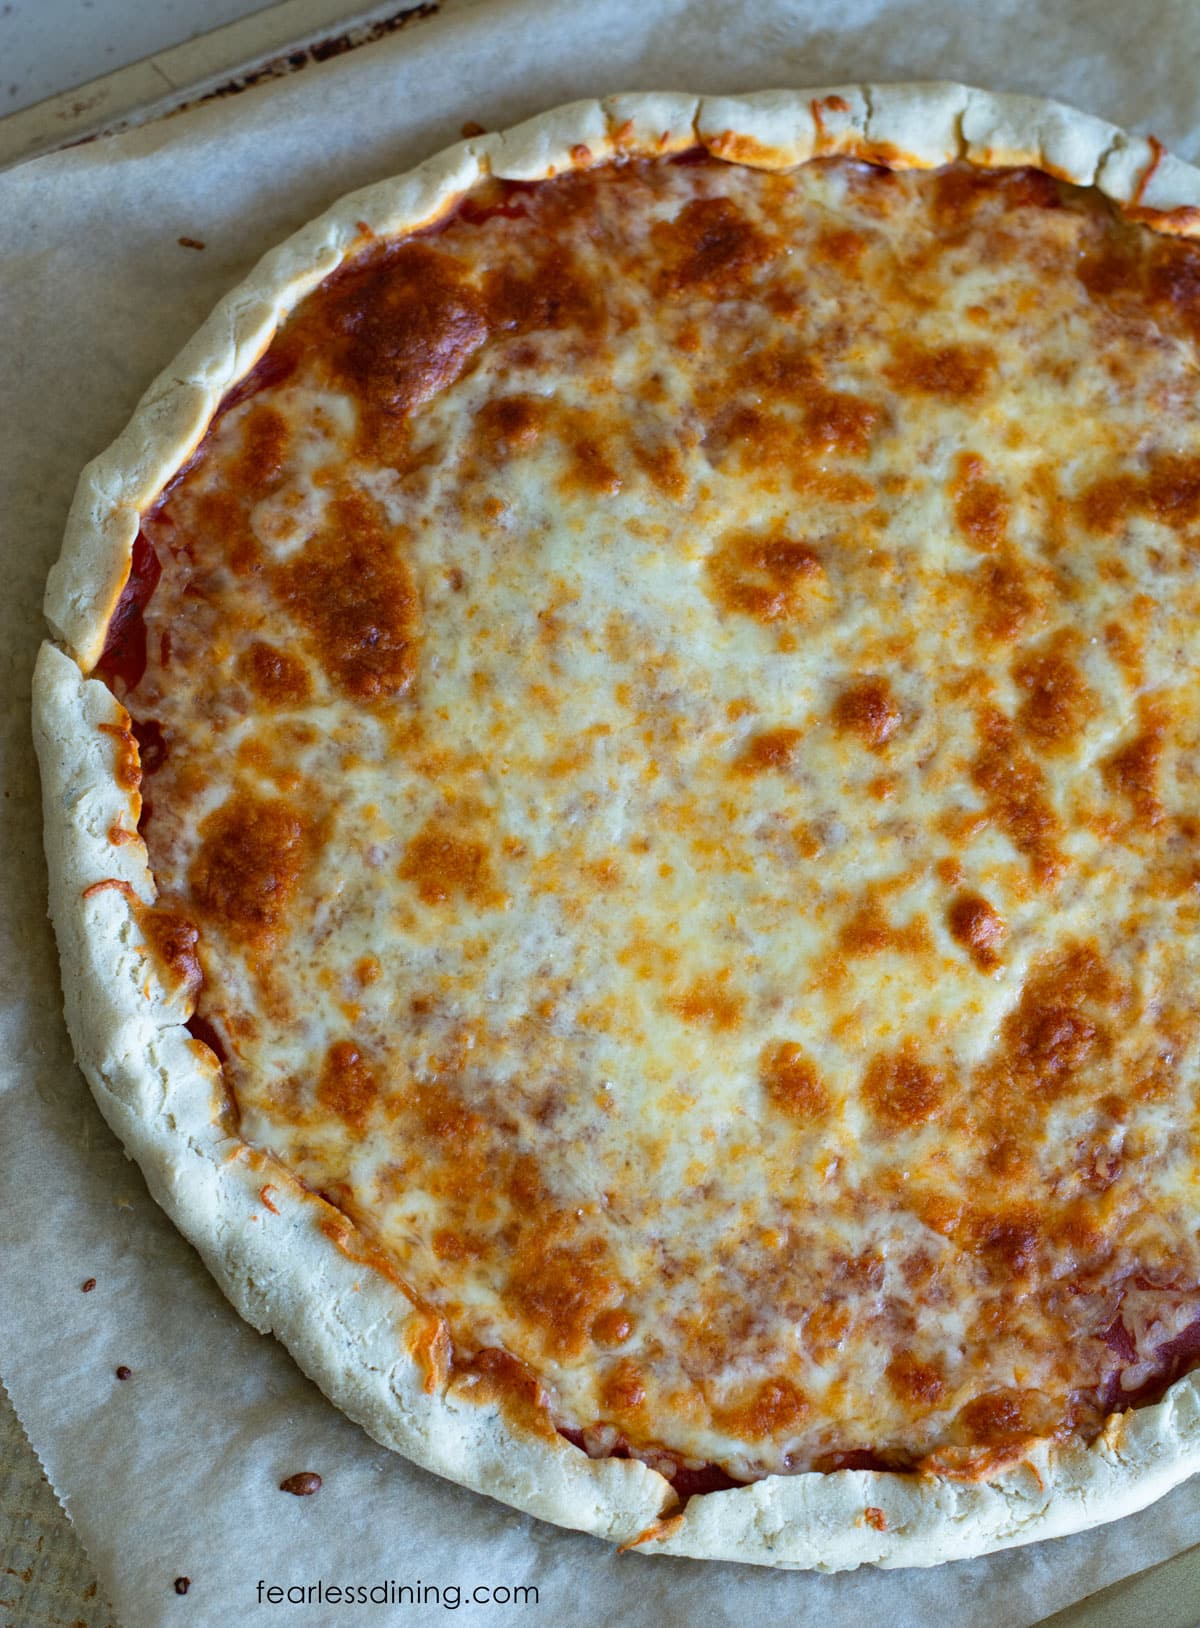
(267, 44)
(174, 1471)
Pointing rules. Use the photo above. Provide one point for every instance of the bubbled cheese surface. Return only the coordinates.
(672, 703)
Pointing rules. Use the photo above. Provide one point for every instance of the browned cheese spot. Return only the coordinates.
(624, 1387)
(253, 853)
(591, 470)
(457, 1147)
(1055, 1030)
(775, 1407)
(1007, 1239)
(1133, 769)
(1057, 699)
(839, 422)
(554, 295)
(1112, 271)
(840, 246)
(1004, 601)
(661, 461)
(1172, 492)
(562, 1291)
(508, 425)
(411, 322)
(825, 1328)
(445, 865)
(763, 576)
(448, 1246)
(606, 873)
(710, 247)
(773, 749)
(1173, 284)
(980, 505)
(997, 1419)
(869, 931)
(354, 595)
(961, 191)
(901, 1091)
(1107, 503)
(1169, 492)
(792, 1083)
(784, 370)
(276, 677)
(173, 939)
(711, 1002)
(263, 454)
(347, 1087)
(223, 514)
(868, 710)
(951, 372)
(978, 928)
(918, 1383)
(1016, 795)
(612, 1327)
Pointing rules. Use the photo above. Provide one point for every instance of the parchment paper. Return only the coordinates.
(174, 1471)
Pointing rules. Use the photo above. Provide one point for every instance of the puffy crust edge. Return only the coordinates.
(161, 1091)
(819, 1522)
(258, 1229)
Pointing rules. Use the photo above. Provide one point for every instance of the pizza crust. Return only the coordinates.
(818, 1522)
(161, 1091)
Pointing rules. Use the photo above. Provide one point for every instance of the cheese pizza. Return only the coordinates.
(619, 749)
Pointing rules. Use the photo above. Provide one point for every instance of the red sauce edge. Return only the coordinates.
(1172, 1360)
(152, 743)
(123, 658)
(272, 367)
(687, 1483)
(474, 214)
(201, 1029)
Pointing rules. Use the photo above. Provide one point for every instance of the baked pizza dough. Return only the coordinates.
(619, 750)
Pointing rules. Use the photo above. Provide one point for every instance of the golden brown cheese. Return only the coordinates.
(671, 703)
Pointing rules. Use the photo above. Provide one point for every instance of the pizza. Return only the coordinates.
(620, 748)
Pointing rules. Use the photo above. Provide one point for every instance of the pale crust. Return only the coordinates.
(346, 1325)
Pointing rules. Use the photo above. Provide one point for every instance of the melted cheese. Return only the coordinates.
(674, 711)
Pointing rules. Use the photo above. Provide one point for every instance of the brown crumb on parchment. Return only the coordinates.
(124, 1373)
(182, 1584)
(87, 1285)
(301, 1485)
(189, 242)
